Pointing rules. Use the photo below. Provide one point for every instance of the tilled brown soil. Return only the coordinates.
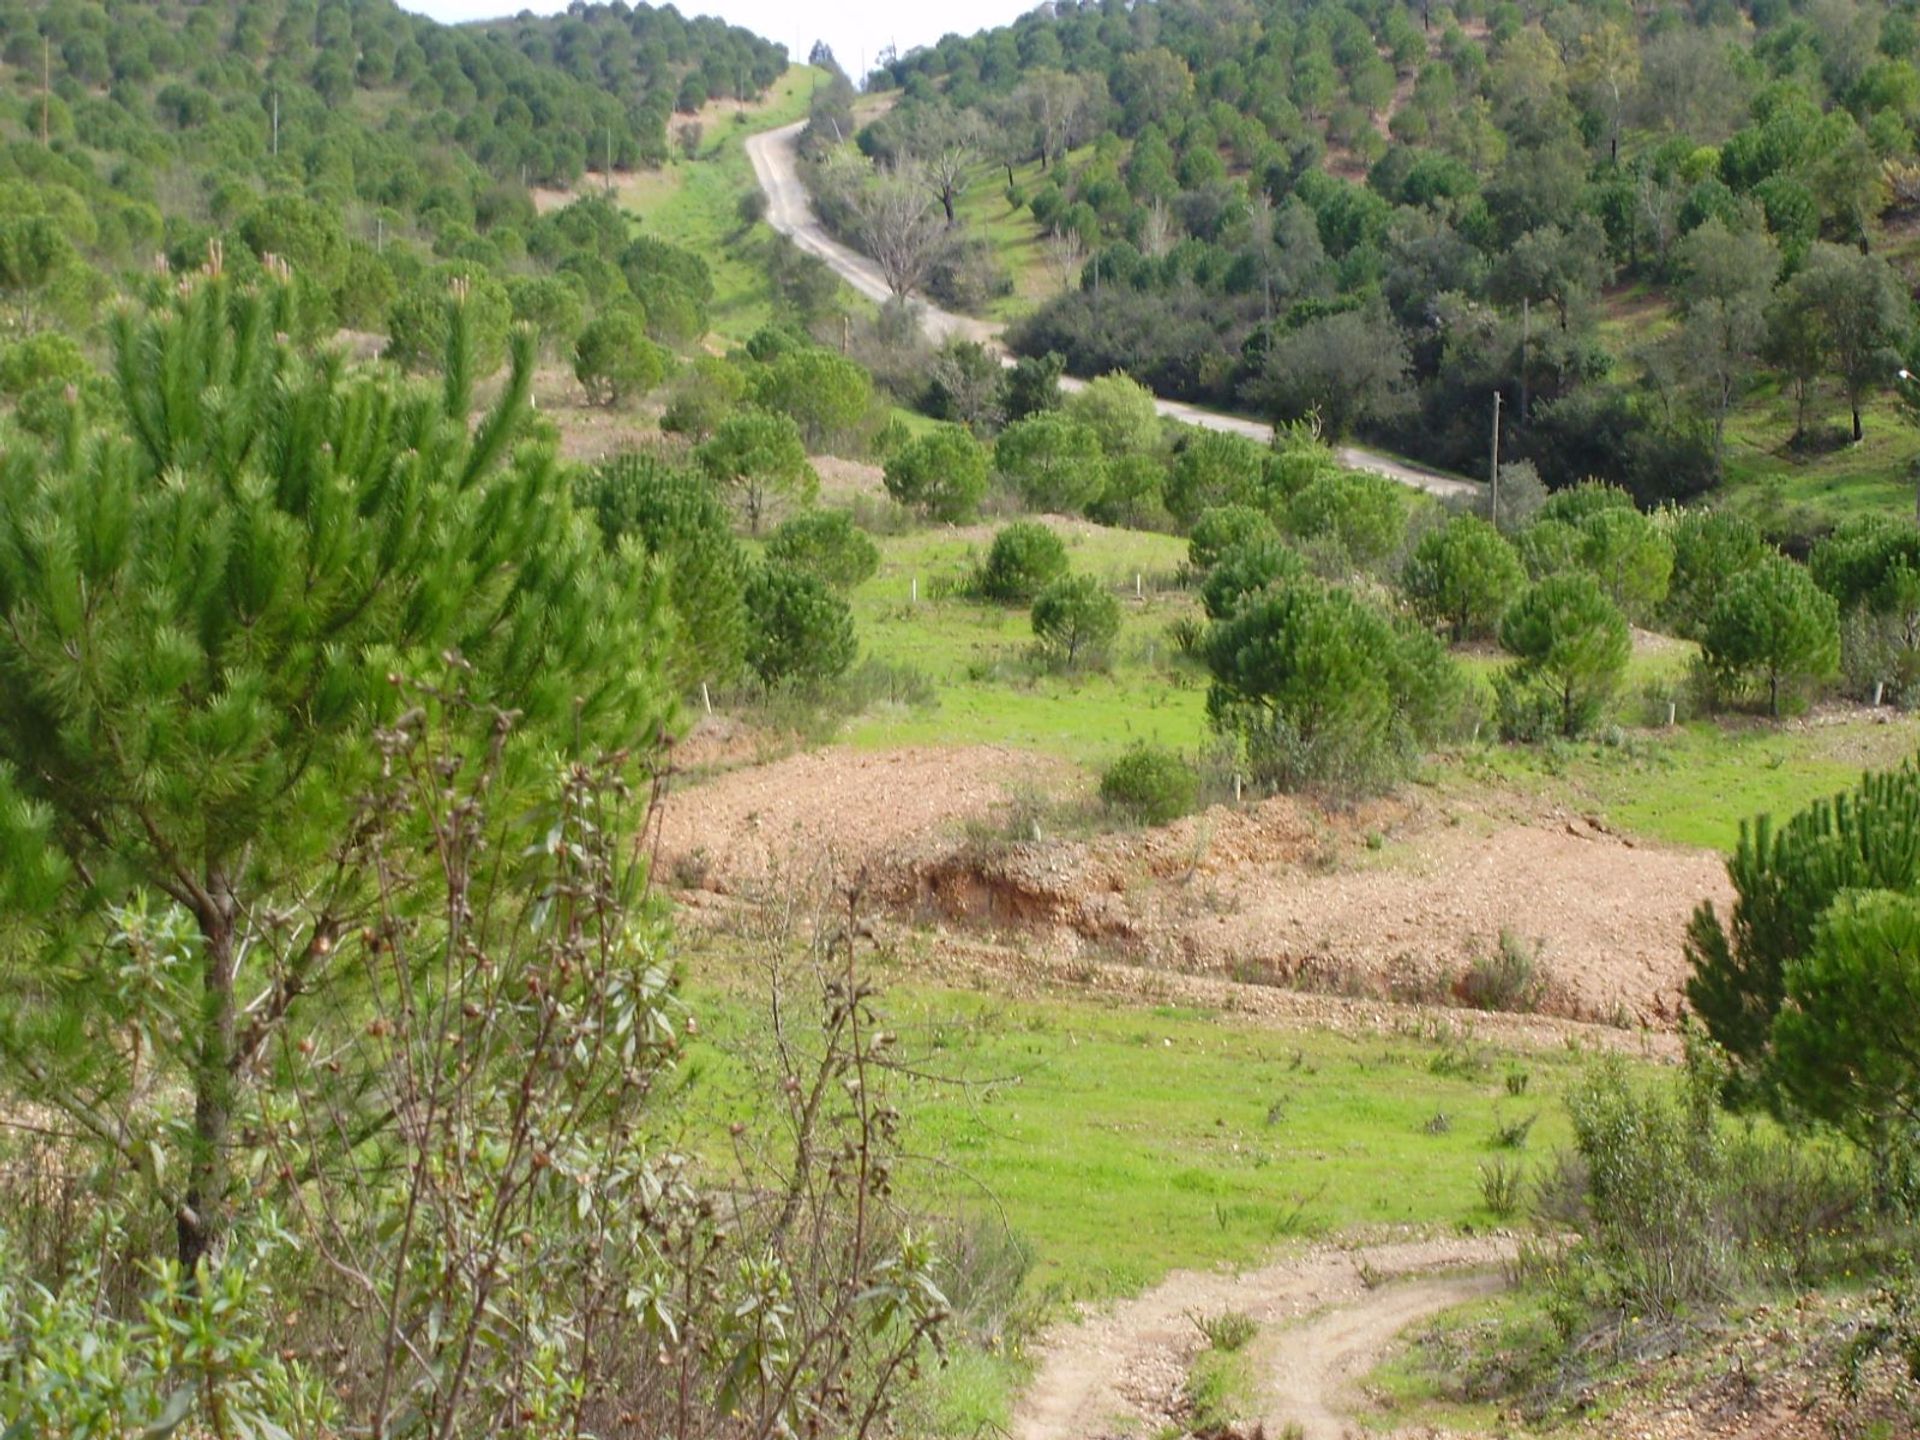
(1395, 901)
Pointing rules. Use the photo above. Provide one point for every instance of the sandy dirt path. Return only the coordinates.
(775, 160)
(1326, 1316)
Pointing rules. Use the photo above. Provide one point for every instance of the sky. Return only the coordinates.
(851, 27)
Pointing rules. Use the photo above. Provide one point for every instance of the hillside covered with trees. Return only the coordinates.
(1383, 212)
(379, 156)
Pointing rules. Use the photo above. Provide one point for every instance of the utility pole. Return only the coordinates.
(1493, 506)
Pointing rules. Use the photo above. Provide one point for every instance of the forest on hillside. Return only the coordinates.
(1621, 218)
(378, 156)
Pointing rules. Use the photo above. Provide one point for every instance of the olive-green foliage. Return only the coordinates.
(825, 543)
(1463, 575)
(704, 393)
(1710, 549)
(1773, 628)
(1784, 879)
(1572, 640)
(1120, 412)
(1844, 1047)
(1075, 620)
(1578, 504)
(417, 320)
(1247, 571)
(757, 456)
(827, 395)
(1631, 556)
(552, 306)
(1325, 691)
(1222, 528)
(1133, 495)
(250, 552)
(1549, 547)
(942, 473)
(1213, 468)
(799, 629)
(1859, 564)
(614, 360)
(672, 285)
(677, 519)
(1363, 517)
(1150, 785)
(1024, 559)
(1055, 463)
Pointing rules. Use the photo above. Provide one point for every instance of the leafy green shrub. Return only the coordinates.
(1785, 877)
(1224, 528)
(1773, 629)
(1055, 463)
(1363, 516)
(1245, 572)
(1075, 620)
(942, 473)
(1150, 785)
(675, 518)
(1463, 575)
(798, 629)
(1573, 643)
(1711, 549)
(757, 455)
(825, 543)
(1324, 691)
(613, 359)
(1024, 559)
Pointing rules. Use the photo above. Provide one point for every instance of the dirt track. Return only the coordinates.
(774, 157)
(1326, 1315)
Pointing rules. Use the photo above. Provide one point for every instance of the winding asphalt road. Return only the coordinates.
(775, 158)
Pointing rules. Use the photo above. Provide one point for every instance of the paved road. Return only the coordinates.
(775, 159)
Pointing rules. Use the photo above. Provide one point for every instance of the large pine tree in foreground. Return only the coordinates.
(205, 601)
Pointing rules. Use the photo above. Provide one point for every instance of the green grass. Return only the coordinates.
(1015, 236)
(697, 203)
(1692, 785)
(1695, 785)
(976, 652)
(1124, 1142)
(1425, 1382)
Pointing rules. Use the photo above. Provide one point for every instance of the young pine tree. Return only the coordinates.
(202, 605)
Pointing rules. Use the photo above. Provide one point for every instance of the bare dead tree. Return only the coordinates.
(1067, 251)
(899, 227)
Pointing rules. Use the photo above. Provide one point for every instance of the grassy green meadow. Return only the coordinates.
(696, 204)
(1121, 1142)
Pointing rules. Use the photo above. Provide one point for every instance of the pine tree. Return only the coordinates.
(203, 606)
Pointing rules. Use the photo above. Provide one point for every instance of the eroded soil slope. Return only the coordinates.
(1395, 900)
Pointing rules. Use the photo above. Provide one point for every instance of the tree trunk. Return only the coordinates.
(946, 203)
(1858, 433)
(201, 1218)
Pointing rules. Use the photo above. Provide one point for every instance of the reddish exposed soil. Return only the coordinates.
(1392, 902)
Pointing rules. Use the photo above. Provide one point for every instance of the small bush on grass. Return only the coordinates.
(1025, 558)
(1150, 785)
(1075, 621)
